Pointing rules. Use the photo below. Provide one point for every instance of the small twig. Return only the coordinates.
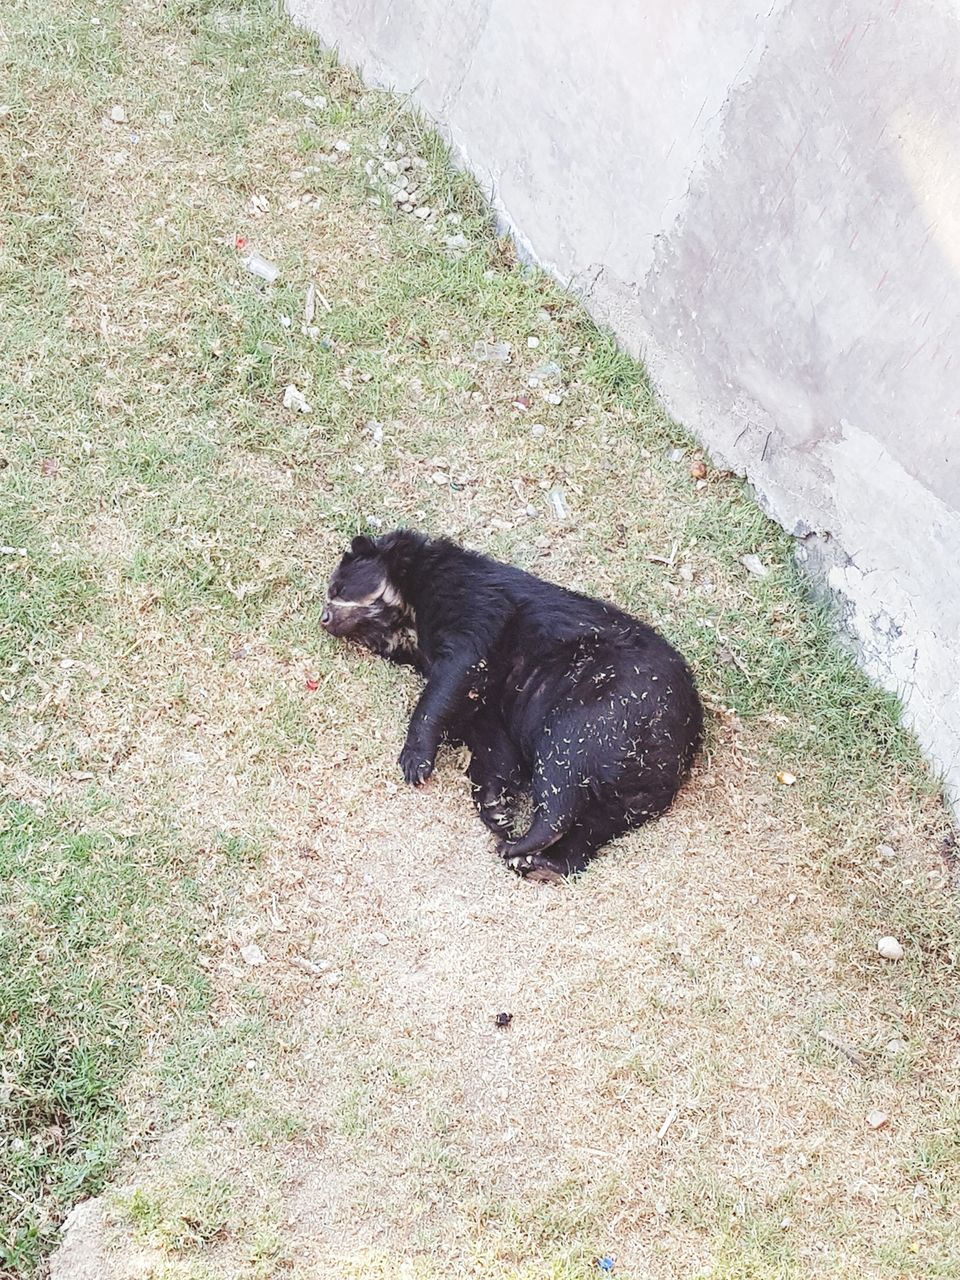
(856, 1058)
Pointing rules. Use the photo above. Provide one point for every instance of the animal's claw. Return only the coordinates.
(416, 766)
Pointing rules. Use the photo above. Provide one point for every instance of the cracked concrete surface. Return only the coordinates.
(766, 206)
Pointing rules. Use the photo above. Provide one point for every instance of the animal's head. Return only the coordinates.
(363, 604)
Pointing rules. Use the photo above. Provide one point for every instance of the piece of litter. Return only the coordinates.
(698, 469)
(259, 266)
(252, 954)
(753, 564)
(310, 303)
(13, 551)
(877, 1119)
(295, 399)
(890, 949)
(785, 778)
(312, 683)
(117, 114)
(503, 1019)
(546, 372)
(671, 1116)
(309, 966)
(533, 343)
(558, 502)
(286, 322)
(342, 145)
(491, 352)
(537, 429)
(676, 454)
(606, 1263)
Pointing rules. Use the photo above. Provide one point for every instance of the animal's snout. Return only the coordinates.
(327, 616)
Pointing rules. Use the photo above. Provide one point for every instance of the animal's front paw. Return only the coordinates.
(416, 763)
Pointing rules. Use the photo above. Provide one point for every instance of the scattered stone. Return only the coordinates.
(676, 454)
(333, 979)
(548, 372)
(117, 114)
(537, 429)
(753, 564)
(553, 397)
(491, 352)
(686, 573)
(459, 241)
(698, 469)
(294, 399)
(533, 342)
(380, 939)
(886, 851)
(343, 146)
(439, 477)
(890, 949)
(877, 1119)
(895, 1046)
(310, 303)
(252, 955)
(423, 212)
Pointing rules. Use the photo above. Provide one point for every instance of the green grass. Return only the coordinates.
(178, 526)
(96, 954)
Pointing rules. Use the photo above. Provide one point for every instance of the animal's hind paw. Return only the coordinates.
(538, 867)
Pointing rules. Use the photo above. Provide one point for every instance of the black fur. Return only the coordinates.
(554, 693)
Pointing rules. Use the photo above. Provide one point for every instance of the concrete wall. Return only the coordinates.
(766, 205)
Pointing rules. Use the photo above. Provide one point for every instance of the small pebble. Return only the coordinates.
(380, 939)
(753, 564)
(252, 954)
(895, 1046)
(333, 979)
(890, 949)
(342, 146)
(117, 114)
(886, 851)
(877, 1119)
(537, 429)
(423, 212)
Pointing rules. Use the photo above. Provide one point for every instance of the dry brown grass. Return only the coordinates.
(700, 1026)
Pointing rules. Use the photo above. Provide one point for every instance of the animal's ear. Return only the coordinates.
(363, 546)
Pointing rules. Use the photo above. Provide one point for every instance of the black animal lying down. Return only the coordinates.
(554, 693)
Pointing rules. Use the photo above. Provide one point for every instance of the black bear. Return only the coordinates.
(556, 695)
